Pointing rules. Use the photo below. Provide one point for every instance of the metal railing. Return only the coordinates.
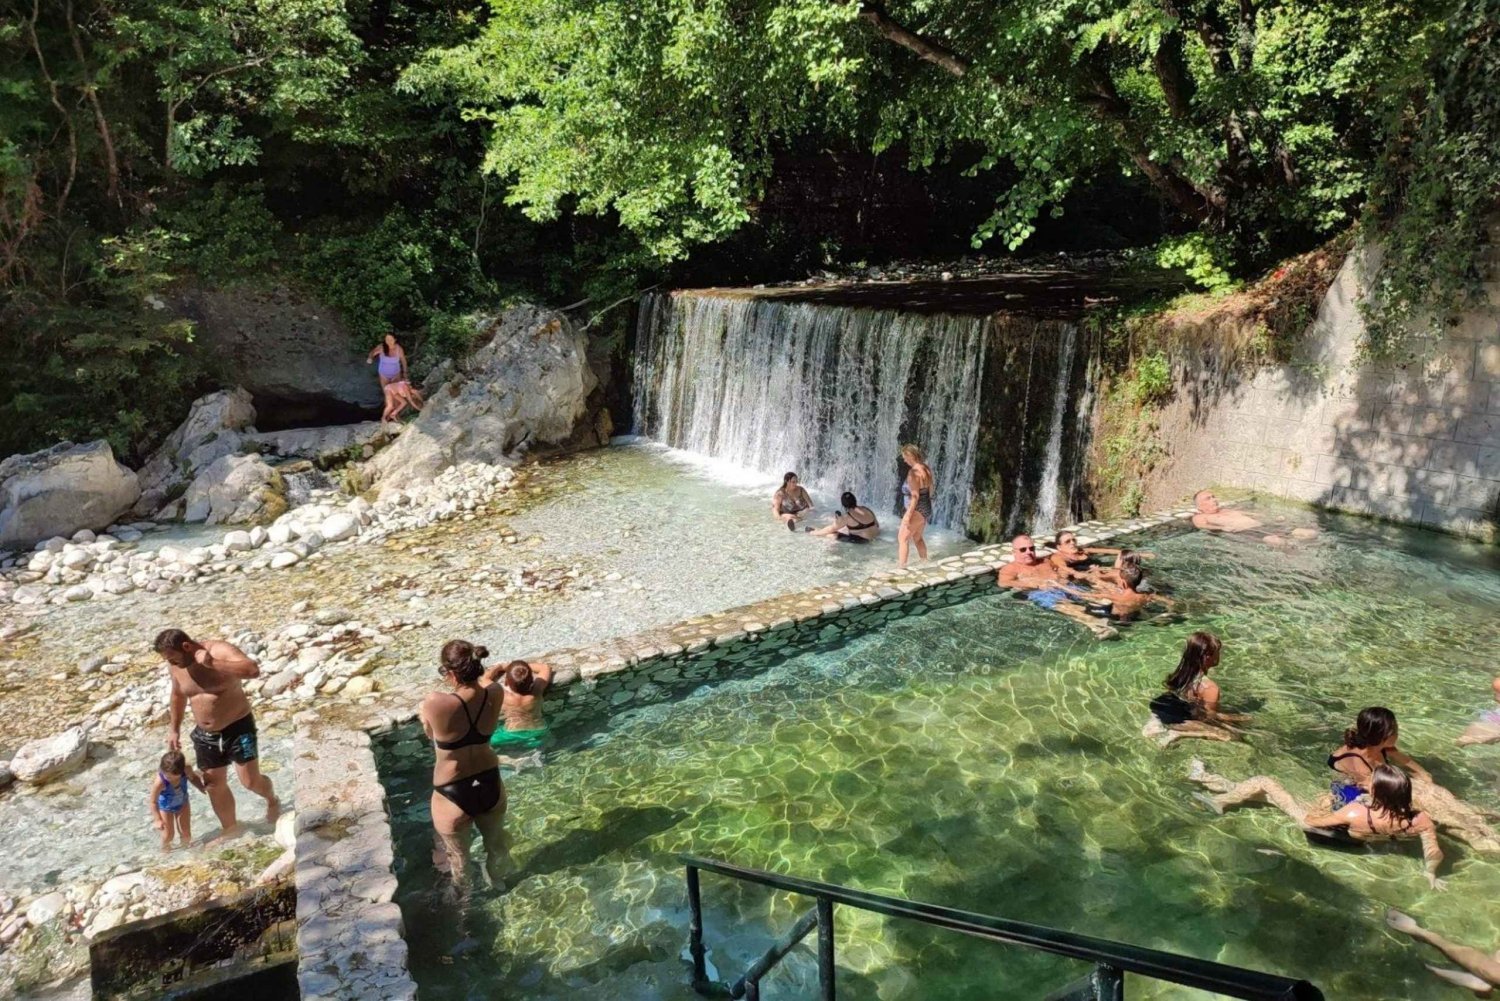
(1112, 960)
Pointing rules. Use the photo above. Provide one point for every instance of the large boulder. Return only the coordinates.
(236, 489)
(527, 385)
(325, 445)
(60, 490)
(41, 761)
(292, 353)
(211, 431)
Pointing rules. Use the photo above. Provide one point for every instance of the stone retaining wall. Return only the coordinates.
(349, 927)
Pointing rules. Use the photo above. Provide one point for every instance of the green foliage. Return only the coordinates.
(1150, 382)
(1205, 258)
(1435, 190)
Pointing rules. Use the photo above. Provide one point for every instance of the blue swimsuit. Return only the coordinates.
(1341, 789)
(173, 798)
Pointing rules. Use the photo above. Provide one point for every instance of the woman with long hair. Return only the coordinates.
(1389, 813)
(791, 503)
(1190, 705)
(916, 496)
(395, 380)
(466, 787)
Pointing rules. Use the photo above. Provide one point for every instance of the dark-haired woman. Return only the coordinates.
(522, 686)
(1370, 743)
(395, 380)
(792, 502)
(1389, 813)
(466, 787)
(855, 523)
(1190, 705)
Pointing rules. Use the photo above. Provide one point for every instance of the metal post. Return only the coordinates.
(825, 948)
(695, 932)
(1109, 983)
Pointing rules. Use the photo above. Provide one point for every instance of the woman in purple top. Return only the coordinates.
(394, 381)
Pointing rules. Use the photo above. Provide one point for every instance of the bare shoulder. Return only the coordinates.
(223, 648)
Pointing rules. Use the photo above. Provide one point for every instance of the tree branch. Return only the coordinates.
(1171, 72)
(36, 47)
(112, 163)
(925, 48)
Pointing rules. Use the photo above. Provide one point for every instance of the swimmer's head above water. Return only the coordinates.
(518, 677)
(1390, 792)
(1066, 543)
(788, 481)
(1200, 654)
(1374, 727)
(1025, 550)
(1205, 502)
(849, 501)
(462, 662)
(1131, 575)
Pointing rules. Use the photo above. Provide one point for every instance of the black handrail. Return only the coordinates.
(1229, 981)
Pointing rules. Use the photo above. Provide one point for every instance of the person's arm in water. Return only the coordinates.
(1396, 756)
(157, 788)
(175, 705)
(1340, 818)
(1208, 699)
(1432, 853)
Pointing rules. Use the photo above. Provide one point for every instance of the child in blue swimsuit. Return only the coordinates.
(170, 808)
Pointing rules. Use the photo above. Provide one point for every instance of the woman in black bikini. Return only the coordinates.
(855, 523)
(466, 787)
(1190, 705)
(916, 495)
(791, 503)
(1389, 813)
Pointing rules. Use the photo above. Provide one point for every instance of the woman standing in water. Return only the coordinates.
(916, 495)
(466, 787)
(1190, 705)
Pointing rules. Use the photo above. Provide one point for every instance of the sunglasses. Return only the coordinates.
(1026, 549)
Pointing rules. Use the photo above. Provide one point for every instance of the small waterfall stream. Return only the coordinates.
(831, 392)
(1045, 519)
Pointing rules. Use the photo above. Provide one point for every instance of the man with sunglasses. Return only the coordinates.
(1043, 585)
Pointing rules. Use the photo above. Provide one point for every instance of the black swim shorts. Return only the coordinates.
(236, 742)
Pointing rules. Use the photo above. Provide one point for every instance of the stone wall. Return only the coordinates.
(1419, 444)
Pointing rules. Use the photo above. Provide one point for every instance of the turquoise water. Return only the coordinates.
(981, 753)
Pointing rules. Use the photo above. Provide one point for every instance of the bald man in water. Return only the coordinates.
(1044, 587)
(1209, 516)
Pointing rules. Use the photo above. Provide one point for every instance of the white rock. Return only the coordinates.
(239, 542)
(258, 536)
(278, 683)
(286, 829)
(356, 687)
(211, 430)
(234, 488)
(46, 907)
(339, 527)
(122, 884)
(84, 535)
(279, 534)
(106, 919)
(282, 560)
(78, 592)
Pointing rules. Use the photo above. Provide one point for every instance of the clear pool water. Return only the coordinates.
(986, 755)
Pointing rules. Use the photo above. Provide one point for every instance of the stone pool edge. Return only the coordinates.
(350, 936)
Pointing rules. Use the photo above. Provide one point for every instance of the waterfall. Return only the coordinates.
(828, 391)
(1045, 519)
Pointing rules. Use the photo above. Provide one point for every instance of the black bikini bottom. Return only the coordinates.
(851, 538)
(473, 794)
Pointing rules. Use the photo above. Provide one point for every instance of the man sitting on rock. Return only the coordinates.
(207, 677)
(1044, 587)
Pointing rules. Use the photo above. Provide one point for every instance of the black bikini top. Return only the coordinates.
(1334, 759)
(473, 737)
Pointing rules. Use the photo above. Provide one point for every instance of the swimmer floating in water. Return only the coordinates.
(1372, 742)
(1211, 517)
(1389, 814)
(1485, 729)
(1483, 972)
(1042, 584)
(855, 523)
(522, 686)
(1126, 598)
(1190, 705)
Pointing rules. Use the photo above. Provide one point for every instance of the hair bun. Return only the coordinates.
(481, 652)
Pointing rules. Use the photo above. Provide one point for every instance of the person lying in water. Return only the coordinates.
(1043, 585)
(1480, 974)
(792, 502)
(1190, 705)
(855, 523)
(1389, 813)
(522, 686)
(1485, 729)
(1126, 599)
(1074, 560)
(1371, 742)
(1211, 517)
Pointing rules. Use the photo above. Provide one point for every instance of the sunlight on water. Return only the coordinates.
(983, 754)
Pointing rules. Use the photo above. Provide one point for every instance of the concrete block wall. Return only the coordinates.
(1418, 445)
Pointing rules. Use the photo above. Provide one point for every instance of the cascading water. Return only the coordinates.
(829, 391)
(1045, 519)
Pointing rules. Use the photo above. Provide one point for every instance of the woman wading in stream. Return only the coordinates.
(916, 495)
(466, 787)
